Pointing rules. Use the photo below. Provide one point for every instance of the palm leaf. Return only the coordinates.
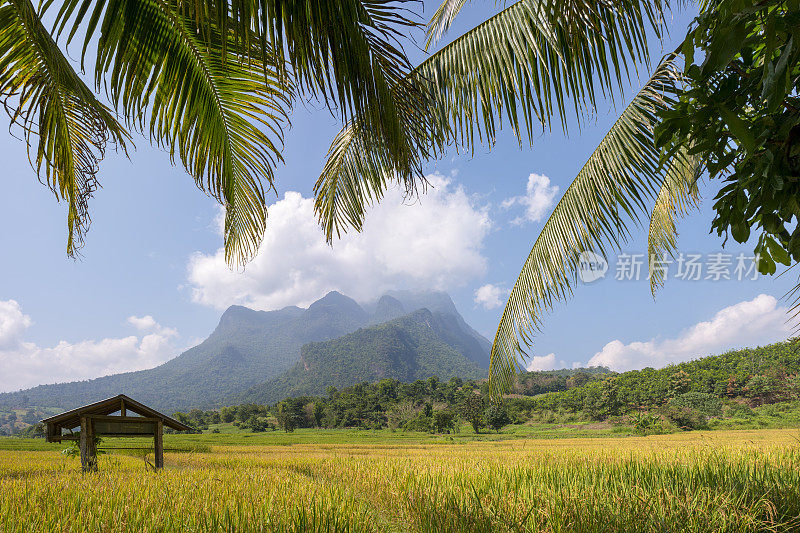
(678, 196)
(359, 167)
(43, 94)
(346, 52)
(220, 114)
(610, 191)
(530, 59)
(521, 67)
(442, 19)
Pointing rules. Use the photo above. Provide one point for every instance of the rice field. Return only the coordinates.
(698, 481)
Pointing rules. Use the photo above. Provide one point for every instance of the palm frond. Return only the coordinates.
(221, 114)
(442, 19)
(521, 68)
(48, 100)
(359, 167)
(678, 196)
(347, 52)
(528, 61)
(354, 176)
(610, 191)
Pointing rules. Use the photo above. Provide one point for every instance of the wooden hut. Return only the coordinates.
(119, 416)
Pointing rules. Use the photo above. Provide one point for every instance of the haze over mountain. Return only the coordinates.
(250, 351)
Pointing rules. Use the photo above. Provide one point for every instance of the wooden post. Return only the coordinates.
(88, 448)
(83, 441)
(92, 446)
(122, 411)
(159, 444)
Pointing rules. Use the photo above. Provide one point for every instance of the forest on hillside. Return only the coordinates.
(688, 395)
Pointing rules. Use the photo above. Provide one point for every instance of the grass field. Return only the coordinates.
(354, 481)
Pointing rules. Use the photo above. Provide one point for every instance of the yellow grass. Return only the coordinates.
(699, 481)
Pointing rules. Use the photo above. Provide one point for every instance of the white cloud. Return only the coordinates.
(25, 364)
(13, 324)
(538, 199)
(749, 323)
(142, 323)
(434, 242)
(544, 362)
(490, 296)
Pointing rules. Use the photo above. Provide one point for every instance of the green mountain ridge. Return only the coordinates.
(415, 346)
(246, 349)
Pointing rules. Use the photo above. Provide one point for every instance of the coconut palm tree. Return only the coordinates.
(210, 81)
(522, 68)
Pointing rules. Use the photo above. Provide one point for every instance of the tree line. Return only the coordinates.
(685, 395)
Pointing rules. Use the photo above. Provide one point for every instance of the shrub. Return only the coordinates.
(256, 424)
(401, 414)
(686, 417)
(496, 417)
(707, 404)
(444, 421)
(421, 422)
(649, 424)
(738, 410)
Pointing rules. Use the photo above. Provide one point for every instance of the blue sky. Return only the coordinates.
(151, 282)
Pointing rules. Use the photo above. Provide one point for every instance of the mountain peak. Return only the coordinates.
(336, 299)
(435, 301)
(235, 314)
(388, 308)
(335, 308)
(332, 294)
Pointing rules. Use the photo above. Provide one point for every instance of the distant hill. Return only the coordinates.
(415, 346)
(766, 374)
(249, 348)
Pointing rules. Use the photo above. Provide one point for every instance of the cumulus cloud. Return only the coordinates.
(755, 322)
(143, 323)
(490, 296)
(435, 241)
(544, 362)
(25, 364)
(537, 201)
(13, 324)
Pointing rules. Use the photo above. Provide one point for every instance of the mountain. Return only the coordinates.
(387, 309)
(476, 346)
(249, 348)
(415, 346)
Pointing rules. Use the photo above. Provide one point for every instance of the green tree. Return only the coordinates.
(35, 431)
(472, 407)
(761, 388)
(679, 382)
(290, 414)
(731, 109)
(740, 111)
(257, 424)
(319, 413)
(496, 416)
(444, 421)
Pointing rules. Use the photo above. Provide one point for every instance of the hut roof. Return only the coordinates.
(72, 418)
